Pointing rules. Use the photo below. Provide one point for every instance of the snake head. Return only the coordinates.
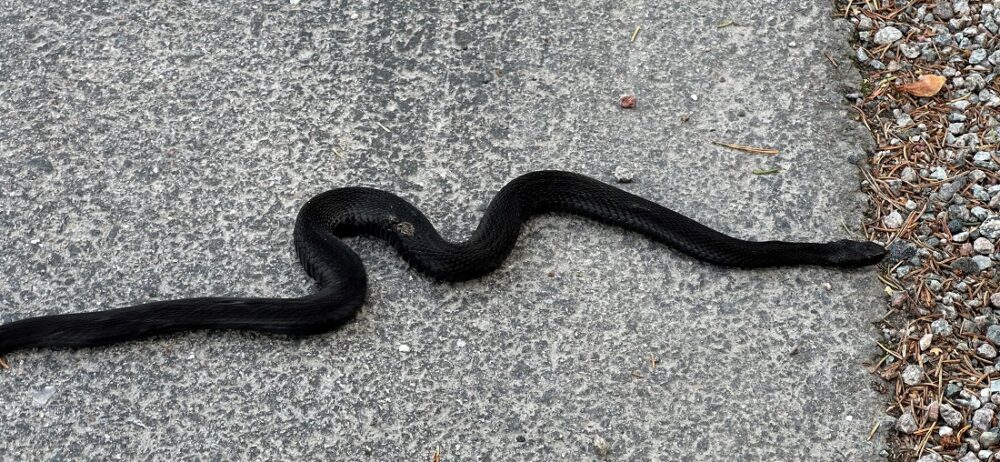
(847, 253)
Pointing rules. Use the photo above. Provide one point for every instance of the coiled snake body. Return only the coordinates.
(363, 211)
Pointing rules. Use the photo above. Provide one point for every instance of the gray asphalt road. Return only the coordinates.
(162, 151)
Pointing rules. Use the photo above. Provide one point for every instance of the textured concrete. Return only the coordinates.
(151, 152)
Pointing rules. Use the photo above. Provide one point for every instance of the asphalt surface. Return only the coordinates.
(161, 151)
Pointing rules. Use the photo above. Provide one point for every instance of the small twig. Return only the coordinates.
(635, 33)
(3, 363)
(383, 127)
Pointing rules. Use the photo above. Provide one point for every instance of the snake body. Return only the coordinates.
(342, 280)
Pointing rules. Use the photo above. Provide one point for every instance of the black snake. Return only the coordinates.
(338, 270)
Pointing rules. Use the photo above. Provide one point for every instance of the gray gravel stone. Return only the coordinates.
(624, 174)
(989, 439)
(951, 416)
(887, 35)
(969, 457)
(981, 213)
(995, 58)
(901, 250)
(912, 374)
(977, 56)
(862, 55)
(982, 262)
(983, 246)
(906, 423)
(987, 350)
(941, 327)
(943, 10)
(929, 457)
(909, 50)
(993, 334)
(990, 229)
(893, 220)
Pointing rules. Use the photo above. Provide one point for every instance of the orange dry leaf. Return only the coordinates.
(926, 85)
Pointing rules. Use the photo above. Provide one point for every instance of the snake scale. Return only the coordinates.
(342, 280)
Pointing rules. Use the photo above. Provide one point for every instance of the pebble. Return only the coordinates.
(977, 56)
(982, 262)
(983, 419)
(624, 174)
(404, 348)
(989, 439)
(955, 226)
(993, 334)
(929, 457)
(951, 416)
(941, 327)
(932, 410)
(995, 300)
(980, 213)
(960, 237)
(887, 35)
(862, 55)
(893, 221)
(972, 402)
(602, 448)
(969, 457)
(987, 351)
(906, 423)
(990, 229)
(901, 250)
(925, 342)
(912, 374)
(910, 51)
(943, 10)
(983, 246)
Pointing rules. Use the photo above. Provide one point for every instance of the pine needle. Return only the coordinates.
(750, 149)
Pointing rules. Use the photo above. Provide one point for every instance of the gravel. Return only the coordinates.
(913, 374)
(906, 423)
(936, 157)
(982, 419)
(887, 35)
(950, 415)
